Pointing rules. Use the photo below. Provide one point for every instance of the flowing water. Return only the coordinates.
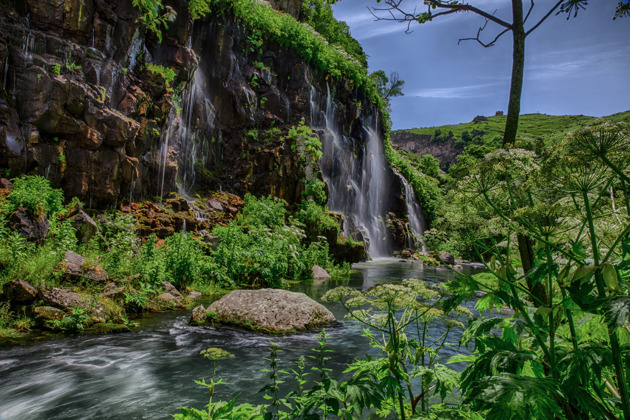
(149, 373)
(415, 218)
(357, 175)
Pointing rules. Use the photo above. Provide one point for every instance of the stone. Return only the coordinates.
(169, 288)
(48, 313)
(271, 310)
(446, 258)
(6, 184)
(113, 291)
(458, 267)
(84, 225)
(30, 227)
(169, 299)
(198, 315)
(62, 298)
(75, 266)
(194, 295)
(319, 273)
(350, 251)
(19, 291)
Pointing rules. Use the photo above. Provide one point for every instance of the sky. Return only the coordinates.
(572, 67)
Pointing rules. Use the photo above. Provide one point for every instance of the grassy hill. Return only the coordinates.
(532, 127)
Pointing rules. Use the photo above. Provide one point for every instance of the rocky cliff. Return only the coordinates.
(422, 144)
(101, 107)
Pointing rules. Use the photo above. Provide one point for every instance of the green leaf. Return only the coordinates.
(582, 274)
(609, 272)
(617, 311)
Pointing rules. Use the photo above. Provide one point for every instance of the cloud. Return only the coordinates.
(455, 92)
(576, 61)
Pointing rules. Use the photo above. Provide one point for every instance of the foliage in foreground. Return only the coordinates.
(564, 354)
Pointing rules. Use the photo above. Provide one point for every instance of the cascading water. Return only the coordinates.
(191, 145)
(357, 176)
(417, 225)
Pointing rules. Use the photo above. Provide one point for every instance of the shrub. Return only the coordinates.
(35, 194)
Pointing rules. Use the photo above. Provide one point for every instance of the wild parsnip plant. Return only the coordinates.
(397, 319)
(565, 353)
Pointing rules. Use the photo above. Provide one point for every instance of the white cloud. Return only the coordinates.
(575, 62)
(455, 92)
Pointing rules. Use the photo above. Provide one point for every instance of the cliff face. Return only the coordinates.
(99, 106)
(82, 109)
(445, 151)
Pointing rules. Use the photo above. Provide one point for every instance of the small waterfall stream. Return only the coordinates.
(356, 175)
(417, 225)
(191, 145)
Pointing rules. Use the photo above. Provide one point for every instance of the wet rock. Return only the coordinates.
(271, 311)
(75, 266)
(5, 184)
(458, 267)
(30, 227)
(19, 291)
(198, 315)
(169, 300)
(350, 251)
(319, 273)
(213, 241)
(446, 258)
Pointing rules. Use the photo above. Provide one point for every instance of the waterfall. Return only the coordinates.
(189, 142)
(357, 175)
(416, 223)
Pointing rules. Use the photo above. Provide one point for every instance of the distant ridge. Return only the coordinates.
(533, 128)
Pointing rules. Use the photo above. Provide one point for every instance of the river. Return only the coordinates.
(149, 373)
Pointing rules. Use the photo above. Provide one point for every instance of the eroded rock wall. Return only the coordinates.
(80, 106)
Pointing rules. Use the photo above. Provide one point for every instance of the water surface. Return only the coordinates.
(149, 373)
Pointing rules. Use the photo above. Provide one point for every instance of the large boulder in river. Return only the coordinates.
(270, 310)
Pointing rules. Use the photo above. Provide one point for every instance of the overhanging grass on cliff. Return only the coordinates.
(426, 188)
(269, 24)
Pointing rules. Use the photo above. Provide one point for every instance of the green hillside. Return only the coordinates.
(532, 127)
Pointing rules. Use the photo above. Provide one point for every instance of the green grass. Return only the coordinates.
(532, 127)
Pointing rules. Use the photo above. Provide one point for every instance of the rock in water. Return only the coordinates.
(319, 273)
(446, 258)
(271, 310)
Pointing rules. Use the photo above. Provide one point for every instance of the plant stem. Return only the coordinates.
(614, 341)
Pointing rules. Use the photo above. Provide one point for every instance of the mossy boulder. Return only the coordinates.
(268, 310)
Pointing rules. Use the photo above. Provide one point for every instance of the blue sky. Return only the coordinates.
(579, 66)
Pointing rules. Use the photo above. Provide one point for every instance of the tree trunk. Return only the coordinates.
(518, 64)
(526, 250)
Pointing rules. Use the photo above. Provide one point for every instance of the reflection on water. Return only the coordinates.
(149, 373)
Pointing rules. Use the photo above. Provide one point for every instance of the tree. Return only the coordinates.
(388, 87)
(438, 8)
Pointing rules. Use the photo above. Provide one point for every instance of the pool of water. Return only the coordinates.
(150, 373)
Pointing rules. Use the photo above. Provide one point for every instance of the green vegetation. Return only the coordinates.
(565, 351)
(265, 247)
(533, 129)
(319, 15)
(424, 184)
(166, 73)
(266, 24)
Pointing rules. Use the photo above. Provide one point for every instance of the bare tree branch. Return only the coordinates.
(544, 18)
(459, 7)
(485, 45)
(529, 12)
